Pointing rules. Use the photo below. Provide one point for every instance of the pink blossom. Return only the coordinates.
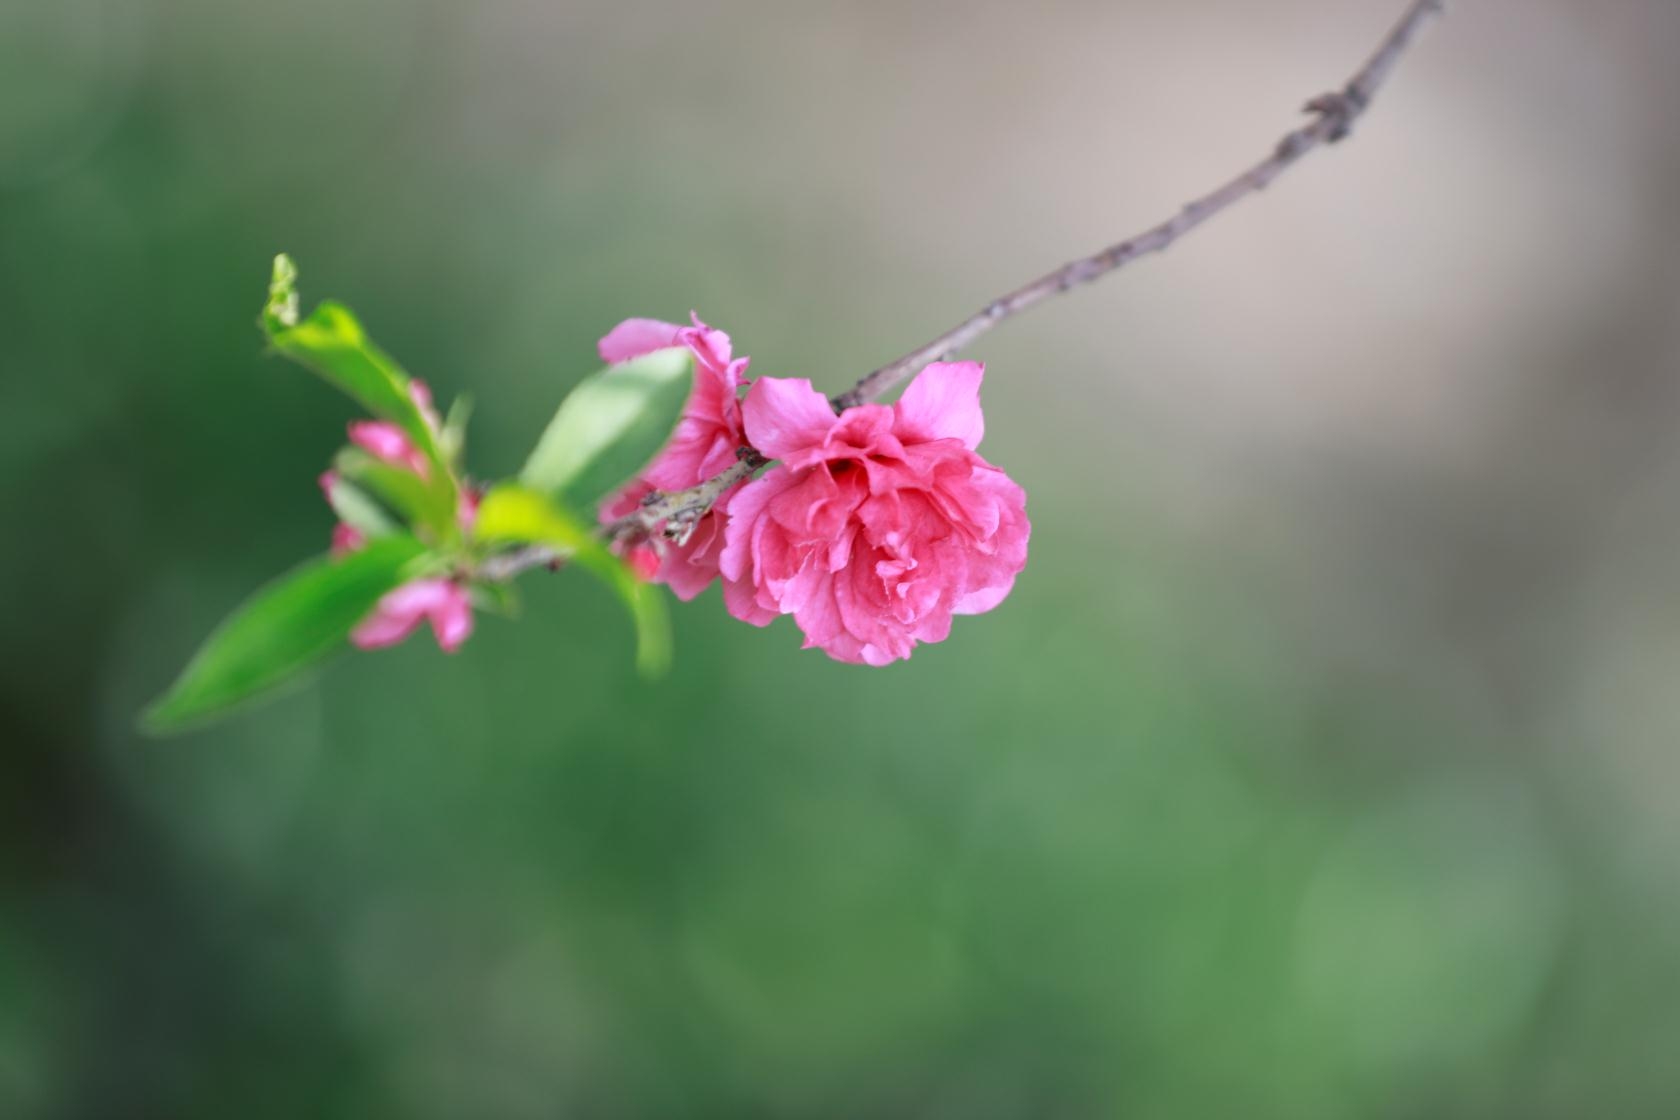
(878, 525)
(442, 602)
(704, 444)
(389, 444)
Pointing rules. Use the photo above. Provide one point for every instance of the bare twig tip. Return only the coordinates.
(1335, 114)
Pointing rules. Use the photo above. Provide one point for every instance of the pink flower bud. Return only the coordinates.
(388, 443)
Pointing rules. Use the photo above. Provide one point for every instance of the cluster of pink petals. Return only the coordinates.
(877, 525)
(442, 602)
(704, 444)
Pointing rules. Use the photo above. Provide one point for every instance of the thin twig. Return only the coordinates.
(1334, 114)
(505, 565)
(676, 513)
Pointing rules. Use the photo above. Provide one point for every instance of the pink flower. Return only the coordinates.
(389, 444)
(878, 525)
(704, 444)
(443, 602)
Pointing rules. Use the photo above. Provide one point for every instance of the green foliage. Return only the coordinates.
(331, 342)
(358, 509)
(428, 503)
(452, 439)
(515, 514)
(284, 628)
(610, 427)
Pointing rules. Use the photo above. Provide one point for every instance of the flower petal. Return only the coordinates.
(784, 415)
(635, 337)
(452, 618)
(943, 403)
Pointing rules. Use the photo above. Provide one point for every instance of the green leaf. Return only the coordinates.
(422, 502)
(452, 440)
(282, 629)
(513, 514)
(610, 427)
(358, 509)
(495, 598)
(332, 344)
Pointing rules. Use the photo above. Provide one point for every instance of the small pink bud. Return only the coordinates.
(387, 443)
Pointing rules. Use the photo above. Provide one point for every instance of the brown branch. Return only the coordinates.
(676, 513)
(679, 511)
(1334, 114)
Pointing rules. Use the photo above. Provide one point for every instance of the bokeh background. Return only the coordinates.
(1322, 763)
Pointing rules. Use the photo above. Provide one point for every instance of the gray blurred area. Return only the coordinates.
(1322, 763)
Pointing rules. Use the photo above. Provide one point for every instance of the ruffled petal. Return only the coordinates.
(785, 415)
(943, 403)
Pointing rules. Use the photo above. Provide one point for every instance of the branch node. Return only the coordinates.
(1337, 111)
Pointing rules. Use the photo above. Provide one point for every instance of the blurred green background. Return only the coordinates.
(1321, 764)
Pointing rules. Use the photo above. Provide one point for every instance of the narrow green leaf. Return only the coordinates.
(452, 440)
(282, 629)
(358, 509)
(610, 427)
(514, 514)
(332, 343)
